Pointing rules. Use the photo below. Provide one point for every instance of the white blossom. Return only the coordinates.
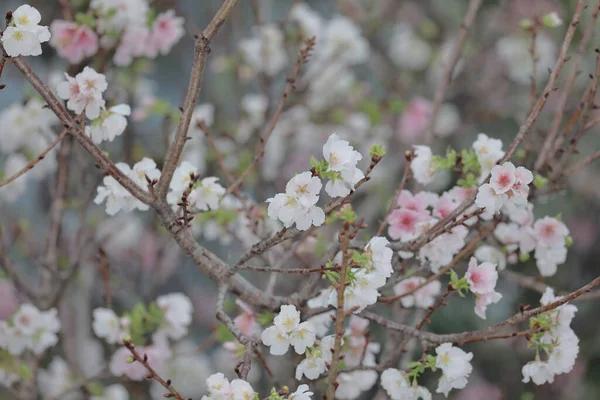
(25, 37)
(177, 309)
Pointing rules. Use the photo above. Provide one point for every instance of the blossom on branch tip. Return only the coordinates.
(73, 41)
(287, 329)
(24, 37)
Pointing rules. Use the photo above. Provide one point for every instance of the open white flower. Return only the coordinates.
(455, 365)
(107, 325)
(109, 124)
(26, 36)
(178, 314)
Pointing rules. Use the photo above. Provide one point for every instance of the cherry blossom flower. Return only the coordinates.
(116, 196)
(302, 393)
(219, 388)
(491, 254)
(314, 365)
(455, 365)
(341, 158)
(167, 30)
(84, 92)
(341, 41)
(423, 297)
(418, 202)
(297, 204)
(31, 329)
(398, 387)
(182, 178)
(407, 50)
(538, 372)
(56, 379)
(489, 152)
(25, 37)
(113, 392)
(403, 224)
(73, 41)
(265, 51)
(207, 195)
(482, 277)
(109, 124)
(158, 353)
(414, 119)
(178, 315)
(109, 326)
(381, 255)
(310, 22)
(421, 165)
(286, 330)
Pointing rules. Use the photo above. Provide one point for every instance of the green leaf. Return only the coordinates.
(151, 16)
(86, 19)
(223, 334)
(540, 182)
(265, 318)
(569, 241)
(372, 110)
(377, 150)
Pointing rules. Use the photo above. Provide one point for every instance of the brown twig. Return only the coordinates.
(545, 152)
(290, 85)
(152, 373)
(465, 252)
(340, 312)
(34, 162)
(201, 51)
(394, 204)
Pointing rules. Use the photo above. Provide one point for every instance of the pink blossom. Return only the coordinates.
(414, 119)
(482, 278)
(72, 41)
(423, 297)
(417, 202)
(444, 206)
(134, 43)
(403, 224)
(484, 300)
(10, 301)
(550, 232)
(166, 31)
(157, 353)
(246, 322)
(503, 177)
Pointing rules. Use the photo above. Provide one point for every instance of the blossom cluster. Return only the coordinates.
(287, 329)
(24, 36)
(28, 131)
(116, 196)
(204, 194)
(357, 350)
(482, 280)
(219, 388)
(168, 318)
(415, 214)
(298, 203)
(29, 329)
(559, 342)
(455, 365)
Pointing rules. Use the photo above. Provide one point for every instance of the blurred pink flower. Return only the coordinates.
(246, 321)
(72, 41)
(134, 43)
(158, 353)
(414, 119)
(10, 301)
(166, 32)
(584, 232)
(480, 390)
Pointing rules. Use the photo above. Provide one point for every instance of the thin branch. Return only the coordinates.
(582, 163)
(290, 85)
(340, 312)
(39, 158)
(394, 204)
(152, 373)
(545, 152)
(525, 127)
(201, 51)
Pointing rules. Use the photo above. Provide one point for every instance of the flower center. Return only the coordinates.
(18, 36)
(23, 20)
